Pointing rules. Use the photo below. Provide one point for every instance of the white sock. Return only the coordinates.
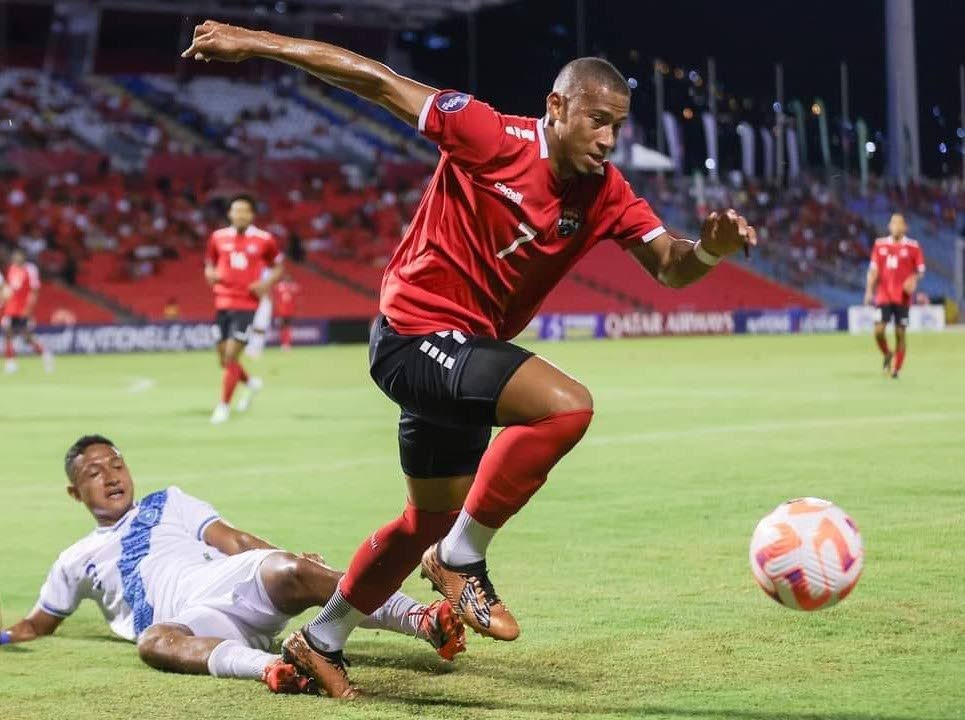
(232, 659)
(466, 542)
(400, 614)
(331, 627)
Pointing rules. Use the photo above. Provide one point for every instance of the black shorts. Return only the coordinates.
(16, 323)
(233, 324)
(447, 385)
(892, 311)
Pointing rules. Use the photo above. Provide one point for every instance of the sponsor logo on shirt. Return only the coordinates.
(252, 249)
(451, 102)
(521, 133)
(514, 195)
(569, 222)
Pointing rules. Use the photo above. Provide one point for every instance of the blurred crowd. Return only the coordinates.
(60, 220)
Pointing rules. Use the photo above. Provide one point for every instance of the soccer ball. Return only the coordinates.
(807, 554)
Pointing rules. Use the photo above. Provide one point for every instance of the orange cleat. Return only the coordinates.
(283, 678)
(326, 668)
(472, 595)
(441, 627)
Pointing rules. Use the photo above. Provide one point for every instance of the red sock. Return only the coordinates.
(37, 346)
(517, 462)
(229, 380)
(899, 359)
(883, 344)
(242, 375)
(8, 349)
(286, 337)
(386, 558)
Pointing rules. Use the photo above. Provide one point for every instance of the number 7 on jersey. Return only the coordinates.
(528, 236)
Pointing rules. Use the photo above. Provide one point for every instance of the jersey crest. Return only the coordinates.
(570, 221)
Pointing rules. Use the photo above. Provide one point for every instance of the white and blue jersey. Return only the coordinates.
(149, 567)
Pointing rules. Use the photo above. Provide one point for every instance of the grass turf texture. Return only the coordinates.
(628, 571)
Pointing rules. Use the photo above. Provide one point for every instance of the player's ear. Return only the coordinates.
(72, 491)
(554, 107)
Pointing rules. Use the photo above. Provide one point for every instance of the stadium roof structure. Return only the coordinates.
(401, 14)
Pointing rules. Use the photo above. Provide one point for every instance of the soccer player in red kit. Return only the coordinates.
(284, 303)
(20, 293)
(514, 203)
(234, 266)
(897, 264)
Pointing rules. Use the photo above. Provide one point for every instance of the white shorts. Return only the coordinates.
(227, 599)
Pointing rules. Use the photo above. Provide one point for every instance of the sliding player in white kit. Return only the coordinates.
(197, 595)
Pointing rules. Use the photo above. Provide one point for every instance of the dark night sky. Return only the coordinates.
(521, 46)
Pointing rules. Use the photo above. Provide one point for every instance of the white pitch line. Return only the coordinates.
(759, 428)
(139, 385)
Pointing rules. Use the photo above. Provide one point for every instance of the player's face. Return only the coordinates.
(103, 483)
(18, 258)
(587, 124)
(897, 226)
(240, 214)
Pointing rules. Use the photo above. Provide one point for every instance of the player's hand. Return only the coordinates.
(314, 557)
(724, 233)
(211, 275)
(259, 289)
(867, 298)
(220, 41)
(910, 285)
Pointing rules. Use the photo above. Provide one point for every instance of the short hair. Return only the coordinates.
(243, 197)
(78, 448)
(587, 70)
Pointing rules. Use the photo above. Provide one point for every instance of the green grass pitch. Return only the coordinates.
(628, 571)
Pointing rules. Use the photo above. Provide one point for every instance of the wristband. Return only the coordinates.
(705, 257)
(5, 638)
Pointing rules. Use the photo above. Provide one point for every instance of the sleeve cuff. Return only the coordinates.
(424, 114)
(53, 611)
(656, 232)
(204, 526)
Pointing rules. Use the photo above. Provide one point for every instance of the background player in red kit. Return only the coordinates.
(234, 265)
(284, 304)
(20, 294)
(897, 264)
(512, 206)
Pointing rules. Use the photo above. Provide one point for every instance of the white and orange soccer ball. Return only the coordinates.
(807, 554)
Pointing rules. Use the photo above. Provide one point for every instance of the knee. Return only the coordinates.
(572, 397)
(150, 645)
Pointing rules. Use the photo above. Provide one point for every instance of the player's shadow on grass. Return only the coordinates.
(526, 674)
(641, 711)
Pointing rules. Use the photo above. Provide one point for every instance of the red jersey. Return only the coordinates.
(23, 280)
(240, 260)
(896, 262)
(284, 298)
(496, 230)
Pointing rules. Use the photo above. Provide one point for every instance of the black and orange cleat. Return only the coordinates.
(284, 678)
(442, 628)
(327, 669)
(472, 595)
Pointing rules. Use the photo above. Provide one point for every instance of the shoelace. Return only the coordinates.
(478, 575)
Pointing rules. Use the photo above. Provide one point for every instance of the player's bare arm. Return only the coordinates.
(31, 303)
(210, 274)
(911, 284)
(372, 80)
(678, 262)
(232, 541)
(870, 281)
(36, 625)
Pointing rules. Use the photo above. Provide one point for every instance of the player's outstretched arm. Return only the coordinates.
(677, 262)
(372, 80)
(37, 624)
(232, 541)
